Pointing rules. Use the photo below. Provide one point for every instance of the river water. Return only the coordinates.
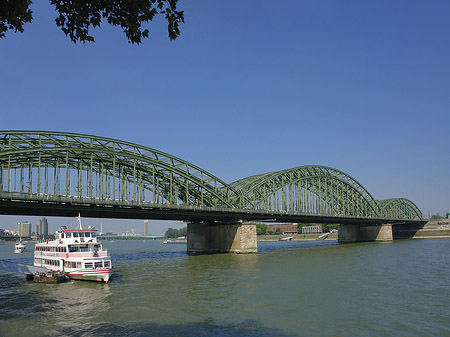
(400, 288)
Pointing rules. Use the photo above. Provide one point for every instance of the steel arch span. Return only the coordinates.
(399, 208)
(309, 189)
(320, 190)
(84, 166)
(40, 164)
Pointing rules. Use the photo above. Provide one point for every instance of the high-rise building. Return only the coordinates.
(42, 227)
(24, 229)
(145, 227)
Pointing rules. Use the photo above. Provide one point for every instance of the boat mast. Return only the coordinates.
(79, 220)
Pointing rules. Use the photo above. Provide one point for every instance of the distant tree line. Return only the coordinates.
(439, 217)
(173, 233)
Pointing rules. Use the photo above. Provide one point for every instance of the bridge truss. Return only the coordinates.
(40, 164)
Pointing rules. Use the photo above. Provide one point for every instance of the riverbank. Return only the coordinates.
(436, 229)
(297, 237)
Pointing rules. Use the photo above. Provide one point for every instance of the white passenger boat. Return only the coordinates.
(77, 253)
(179, 240)
(19, 247)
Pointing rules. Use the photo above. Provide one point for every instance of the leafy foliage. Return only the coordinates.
(328, 228)
(76, 17)
(13, 15)
(172, 233)
(261, 229)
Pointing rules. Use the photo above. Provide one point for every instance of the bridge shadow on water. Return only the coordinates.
(265, 246)
(147, 255)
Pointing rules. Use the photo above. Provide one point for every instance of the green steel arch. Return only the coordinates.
(85, 166)
(97, 168)
(399, 208)
(308, 189)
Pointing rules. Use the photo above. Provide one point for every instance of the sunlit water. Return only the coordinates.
(400, 288)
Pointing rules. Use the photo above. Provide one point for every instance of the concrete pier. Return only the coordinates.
(219, 237)
(360, 233)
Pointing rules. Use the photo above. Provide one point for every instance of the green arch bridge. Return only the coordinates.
(61, 174)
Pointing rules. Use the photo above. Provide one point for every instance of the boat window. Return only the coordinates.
(88, 265)
(68, 235)
(107, 264)
(98, 265)
(87, 234)
(93, 234)
(62, 235)
(73, 249)
(75, 234)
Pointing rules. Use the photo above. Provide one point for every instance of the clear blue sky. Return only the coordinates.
(255, 86)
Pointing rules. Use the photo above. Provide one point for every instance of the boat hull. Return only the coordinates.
(102, 275)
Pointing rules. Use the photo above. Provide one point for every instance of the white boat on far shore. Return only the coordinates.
(19, 247)
(177, 240)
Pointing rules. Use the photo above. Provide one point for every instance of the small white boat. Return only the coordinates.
(175, 241)
(323, 236)
(288, 238)
(19, 248)
(76, 253)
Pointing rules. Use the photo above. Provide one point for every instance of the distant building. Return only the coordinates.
(312, 229)
(282, 228)
(146, 227)
(24, 228)
(42, 227)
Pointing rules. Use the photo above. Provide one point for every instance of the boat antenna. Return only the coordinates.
(79, 220)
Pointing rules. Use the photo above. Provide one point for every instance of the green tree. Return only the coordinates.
(172, 233)
(260, 229)
(299, 227)
(76, 17)
(182, 232)
(328, 227)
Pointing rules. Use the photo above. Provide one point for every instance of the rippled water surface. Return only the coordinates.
(400, 288)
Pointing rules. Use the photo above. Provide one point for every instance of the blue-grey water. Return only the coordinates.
(400, 288)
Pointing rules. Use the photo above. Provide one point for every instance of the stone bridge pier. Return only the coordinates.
(361, 233)
(221, 237)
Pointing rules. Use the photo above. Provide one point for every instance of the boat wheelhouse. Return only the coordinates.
(77, 253)
(19, 247)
